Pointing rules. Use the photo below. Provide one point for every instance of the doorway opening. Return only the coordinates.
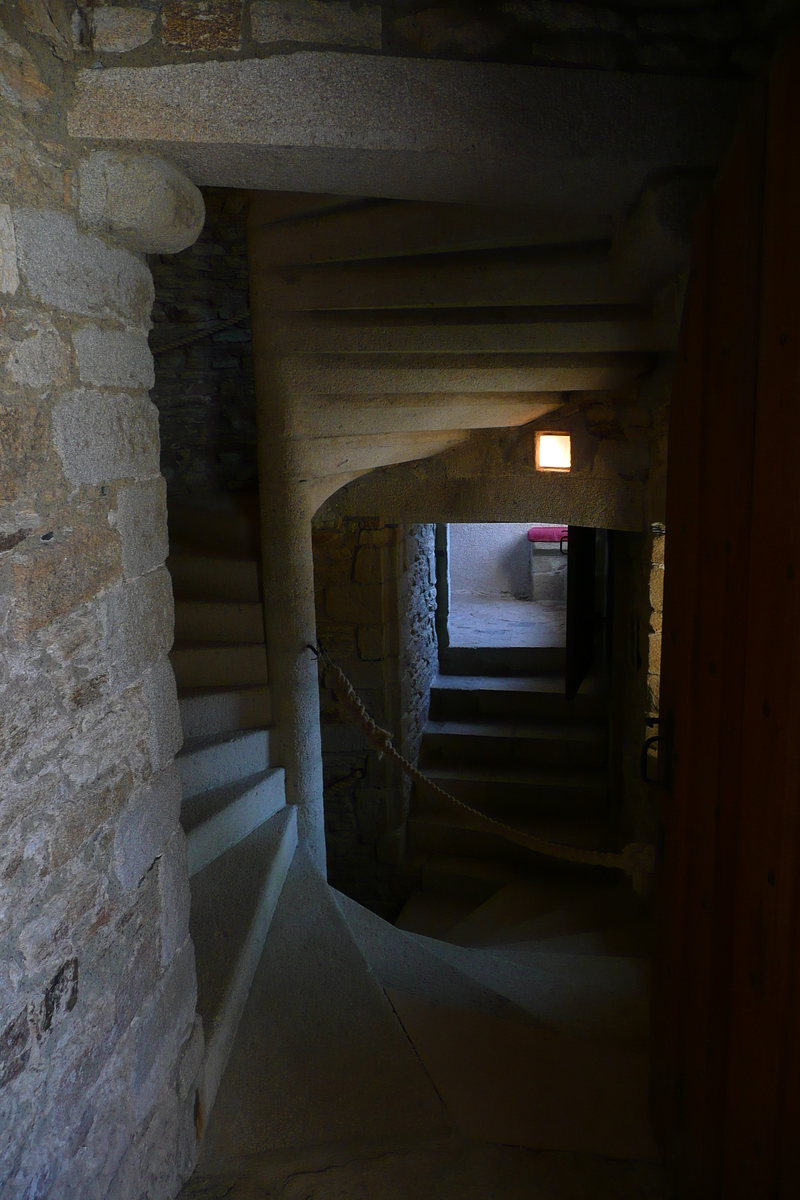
(507, 584)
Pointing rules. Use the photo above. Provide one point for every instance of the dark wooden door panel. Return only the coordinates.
(725, 1079)
(580, 606)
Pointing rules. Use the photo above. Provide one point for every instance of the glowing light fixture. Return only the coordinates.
(553, 452)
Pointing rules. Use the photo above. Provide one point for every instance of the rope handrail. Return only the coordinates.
(636, 859)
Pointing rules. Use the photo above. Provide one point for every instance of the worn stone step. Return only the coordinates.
(534, 907)
(216, 820)
(531, 791)
(595, 995)
(473, 331)
(208, 711)
(209, 577)
(320, 1057)
(217, 621)
(459, 834)
(396, 228)
(202, 664)
(471, 697)
(468, 878)
(345, 375)
(233, 902)
(559, 275)
(514, 661)
(512, 744)
(210, 762)
(225, 525)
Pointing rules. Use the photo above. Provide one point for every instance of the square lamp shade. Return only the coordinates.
(553, 452)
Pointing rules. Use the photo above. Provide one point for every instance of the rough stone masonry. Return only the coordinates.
(99, 1044)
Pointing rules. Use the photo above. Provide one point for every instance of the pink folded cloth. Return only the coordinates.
(547, 533)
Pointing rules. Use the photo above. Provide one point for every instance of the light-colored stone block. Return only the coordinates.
(142, 201)
(9, 275)
(117, 30)
(78, 272)
(145, 826)
(141, 620)
(142, 526)
(100, 437)
(160, 694)
(113, 358)
(332, 24)
(41, 360)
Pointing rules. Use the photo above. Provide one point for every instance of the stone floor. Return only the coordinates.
(488, 621)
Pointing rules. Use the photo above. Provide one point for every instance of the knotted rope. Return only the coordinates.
(636, 859)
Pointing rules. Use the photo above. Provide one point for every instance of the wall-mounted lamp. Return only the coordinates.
(553, 452)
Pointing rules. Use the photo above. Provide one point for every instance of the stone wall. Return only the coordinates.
(204, 388)
(375, 600)
(99, 1048)
(701, 37)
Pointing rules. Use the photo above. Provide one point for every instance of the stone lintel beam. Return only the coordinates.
(409, 493)
(564, 140)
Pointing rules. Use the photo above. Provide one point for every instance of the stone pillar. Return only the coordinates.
(287, 506)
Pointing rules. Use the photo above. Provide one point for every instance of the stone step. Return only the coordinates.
(202, 664)
(387, 229)
(216, 621)
(216, 820)
(209, 577)
(210, 762)
(531, 791)
(226, 525)
(548, 904)
(457, 834)
(560, 276)
(593, 995)
(470, 697)
(345, 375)
(512, 744)
(320, 1057)
(513, 661)
(206, 712)
(473, 331)
(467, 878)
(233, 902)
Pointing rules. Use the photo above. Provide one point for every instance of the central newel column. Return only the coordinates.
(290, 621)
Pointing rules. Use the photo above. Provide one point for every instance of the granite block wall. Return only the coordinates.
(204, 388)
(375, 598)
(99, 1048)
(695, 38)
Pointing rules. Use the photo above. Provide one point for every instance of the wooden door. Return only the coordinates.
(725, 1083)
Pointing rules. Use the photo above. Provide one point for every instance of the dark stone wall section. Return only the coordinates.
(204, 389)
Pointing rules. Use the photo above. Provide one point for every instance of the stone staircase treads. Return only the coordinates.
(206, 763)
(216, 621)
(525, 790)
(205, 577)
(216, 820)
(494, 660)
(320, 1056)
(466, 697)
(206, 664)
(233, 902)
(401, 960)
(513, 743)
(460, 834)
(209, 711)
